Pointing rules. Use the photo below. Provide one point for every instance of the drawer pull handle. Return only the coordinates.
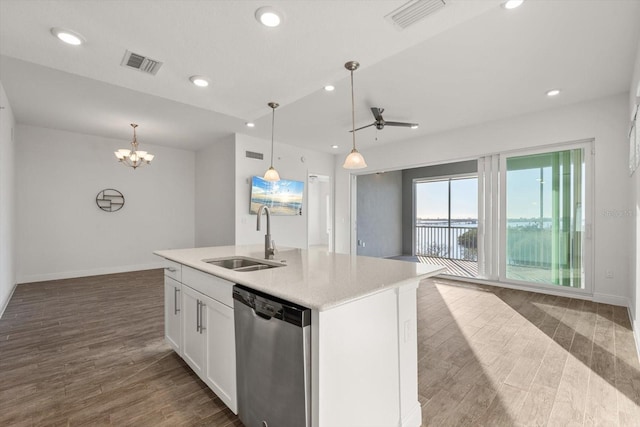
(171, 269)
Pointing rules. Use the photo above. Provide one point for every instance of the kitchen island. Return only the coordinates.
(363, 326)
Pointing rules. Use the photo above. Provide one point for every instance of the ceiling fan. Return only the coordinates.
(380, 123)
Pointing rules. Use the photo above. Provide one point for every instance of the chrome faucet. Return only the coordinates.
(269, 245)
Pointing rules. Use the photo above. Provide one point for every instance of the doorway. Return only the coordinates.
(319, 226)
(446, 221)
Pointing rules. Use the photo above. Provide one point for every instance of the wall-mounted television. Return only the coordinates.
(283, 197)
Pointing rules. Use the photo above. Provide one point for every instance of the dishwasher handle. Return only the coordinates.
(270, 307)
(267, 309)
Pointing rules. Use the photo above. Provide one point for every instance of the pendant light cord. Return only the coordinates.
(273, 120)
(353, 114)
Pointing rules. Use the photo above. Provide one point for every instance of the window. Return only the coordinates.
(544, 222)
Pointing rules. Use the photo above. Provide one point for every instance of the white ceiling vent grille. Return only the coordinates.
(141, 63)
(413, 11)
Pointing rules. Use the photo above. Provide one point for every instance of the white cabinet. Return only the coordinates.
(206, 329)
(172, 313)
(193, 348)
(220, 351)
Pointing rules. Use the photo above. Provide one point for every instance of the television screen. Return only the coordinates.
(283, 197)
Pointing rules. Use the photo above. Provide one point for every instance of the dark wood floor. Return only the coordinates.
(90, 351)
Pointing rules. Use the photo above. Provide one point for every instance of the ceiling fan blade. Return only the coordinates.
(403, 124)
(364, 127)
(377, 113)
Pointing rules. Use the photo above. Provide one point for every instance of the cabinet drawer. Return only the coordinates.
(173, 269)
(211, 286)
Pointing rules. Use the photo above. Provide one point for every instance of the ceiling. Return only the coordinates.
(470, 62)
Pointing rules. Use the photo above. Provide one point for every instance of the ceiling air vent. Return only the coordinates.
(413, 11)
(141, 63)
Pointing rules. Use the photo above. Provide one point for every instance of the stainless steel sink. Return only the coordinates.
(242, 263)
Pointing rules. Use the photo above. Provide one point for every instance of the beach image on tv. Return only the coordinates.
(283, 197)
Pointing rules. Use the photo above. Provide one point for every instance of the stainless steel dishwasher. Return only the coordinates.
(273, 344)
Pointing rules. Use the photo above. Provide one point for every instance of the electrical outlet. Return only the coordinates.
(608, 274)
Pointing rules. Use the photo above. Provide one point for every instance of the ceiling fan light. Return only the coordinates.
(354, 160)
(414, 126)
(271, 175)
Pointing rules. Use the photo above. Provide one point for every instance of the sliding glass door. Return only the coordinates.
(446, 219)
(543, 218)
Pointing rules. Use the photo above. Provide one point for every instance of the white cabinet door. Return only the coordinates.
(172, 313)
(193, 348)
(220, 359)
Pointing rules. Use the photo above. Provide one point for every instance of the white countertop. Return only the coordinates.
(316, 279)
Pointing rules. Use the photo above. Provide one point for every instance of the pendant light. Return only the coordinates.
(354, 160)
(272, 174)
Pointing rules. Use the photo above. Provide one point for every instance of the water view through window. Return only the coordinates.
(545, 219)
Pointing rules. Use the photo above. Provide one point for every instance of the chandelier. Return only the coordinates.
(134, 157)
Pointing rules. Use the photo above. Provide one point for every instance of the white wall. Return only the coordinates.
(606, 120)
(62, 233)
(292, 163)
(214, 194)
(319, 210)
(7, 201)
(634, 308)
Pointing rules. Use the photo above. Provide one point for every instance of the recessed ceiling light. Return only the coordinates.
(414, 126)
(512, 4)
(334, 146)
(553, 92)
(250, 124)
(68, 36)
(268, 16)
(199, 81)
(329, 88)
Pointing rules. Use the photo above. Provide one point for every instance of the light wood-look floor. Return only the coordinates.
(90, 351)
(499, 357)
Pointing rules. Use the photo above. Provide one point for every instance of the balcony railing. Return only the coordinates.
(527, 246)
(447, 242)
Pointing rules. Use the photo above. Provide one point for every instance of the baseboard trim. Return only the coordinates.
(85, 273)
(6, 303)
(596, 297)
(611, 299)
(559, 292)
(635, 326)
